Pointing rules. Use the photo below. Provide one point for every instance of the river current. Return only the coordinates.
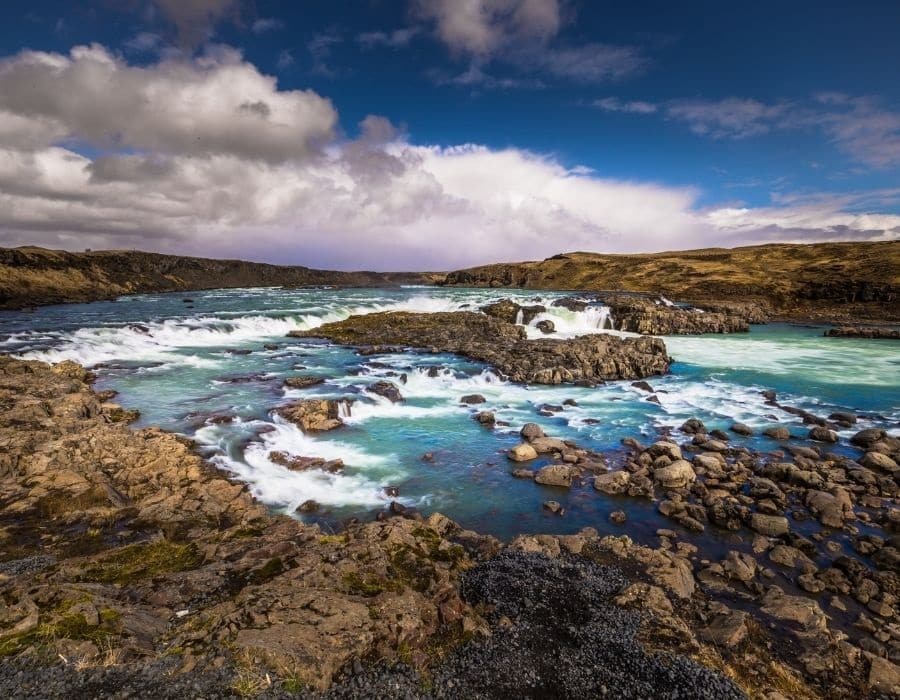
(211, 365)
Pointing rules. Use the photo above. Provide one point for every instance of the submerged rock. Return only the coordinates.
(504, 346)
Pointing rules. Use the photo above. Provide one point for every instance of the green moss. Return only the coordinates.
(368, 584)
(334, 539)
(62, 624)
(246, 532)
(142, 561)
(415, 571)
(58, 504)
(266, 572)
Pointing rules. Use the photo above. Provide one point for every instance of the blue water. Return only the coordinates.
(175, 361)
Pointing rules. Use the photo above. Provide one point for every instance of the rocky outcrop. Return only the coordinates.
(649, 316)
(511, 312)
(31, 276)
(503, 346)
(863, 332)
(314, 415)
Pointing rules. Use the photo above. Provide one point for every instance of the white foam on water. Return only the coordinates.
(569, 324)
(161, 340)
(278, 486)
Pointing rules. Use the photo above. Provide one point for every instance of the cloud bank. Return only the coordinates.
(208, 156)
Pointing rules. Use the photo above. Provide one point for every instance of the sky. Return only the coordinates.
(437, 134)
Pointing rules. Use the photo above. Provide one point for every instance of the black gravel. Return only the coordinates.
(555, 635)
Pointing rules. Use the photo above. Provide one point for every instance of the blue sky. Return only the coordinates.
(751, 107)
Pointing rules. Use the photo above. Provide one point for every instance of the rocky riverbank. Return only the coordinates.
(125, 558)
(503, 345)
(34, 276)
(837, 282)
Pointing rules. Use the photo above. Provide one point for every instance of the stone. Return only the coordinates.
(820, 434)
(387, 390)
(769, 525)
(726, 630)
(868, 437)
(485, 418)
(554, 507)
(522, 453)
(618, 517)
(523, 473)
(530, 431)
(546, 326)
(741, 429)
(739, 566)
(884, 675)
(314, 415)
(545, 445)
(612, 483)
(879, 462)
(803, 611)
(556, 475)
(777, 433)
(472, 399)
(302, 382)
(791, 557)
(677, 475)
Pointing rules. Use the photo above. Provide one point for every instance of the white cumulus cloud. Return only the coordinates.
(208, 156)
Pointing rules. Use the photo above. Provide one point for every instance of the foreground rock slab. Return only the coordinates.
(504, 346)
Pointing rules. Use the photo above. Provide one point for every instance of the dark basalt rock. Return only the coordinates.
(648, 316)
(508, 311)
(388, 390)
(504, 346)
(882, 333)
(563, 637)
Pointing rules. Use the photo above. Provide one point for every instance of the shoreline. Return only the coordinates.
(669, 583)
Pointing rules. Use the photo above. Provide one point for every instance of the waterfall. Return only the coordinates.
(343, 409)
(520, 317)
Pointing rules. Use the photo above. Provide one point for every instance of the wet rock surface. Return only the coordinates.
(881, 332)
(503, 346)
(652, 316)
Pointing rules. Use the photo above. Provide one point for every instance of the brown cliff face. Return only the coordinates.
(823, 280)
(34, 276)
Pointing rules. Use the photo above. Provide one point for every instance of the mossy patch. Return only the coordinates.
(142, 561)
(266, 572)
(62, 623)
(57, 504)
(368, 584)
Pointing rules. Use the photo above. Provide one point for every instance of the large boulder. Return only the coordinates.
(556, 475)
(612, 483)
(677, 475)
(387, 390)
(314, 415)
(522, 453)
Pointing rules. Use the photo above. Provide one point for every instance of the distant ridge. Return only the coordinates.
(857, 281)
(31, 276)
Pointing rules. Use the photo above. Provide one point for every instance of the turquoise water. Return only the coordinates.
(189, 366)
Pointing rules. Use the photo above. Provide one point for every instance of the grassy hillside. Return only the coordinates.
(827, 279)
(32, 276)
